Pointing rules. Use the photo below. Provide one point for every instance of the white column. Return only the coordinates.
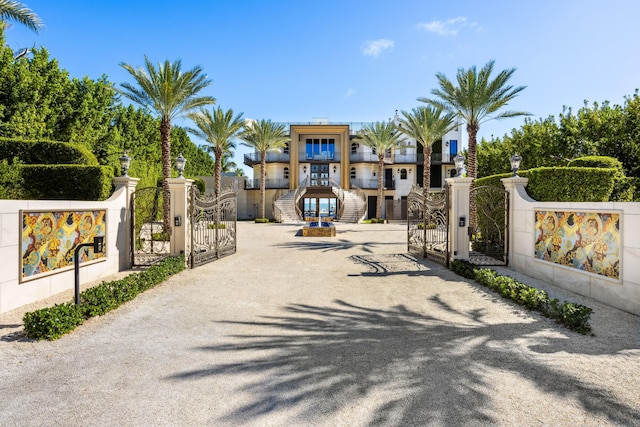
(512, 186)
(124, 234)
(179, 188)
(459, 217)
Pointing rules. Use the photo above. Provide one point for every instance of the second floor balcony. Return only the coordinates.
(368, 157)
(251, 159)
(368, 184)
(254, 184)
(437, 158)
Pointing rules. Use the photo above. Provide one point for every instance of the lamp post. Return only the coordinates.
(125, 162)
(180, 163)
(515, 163)
(459, 162)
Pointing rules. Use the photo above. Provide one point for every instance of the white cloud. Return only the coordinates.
(350, 93)
(376, 47)
(449, 27)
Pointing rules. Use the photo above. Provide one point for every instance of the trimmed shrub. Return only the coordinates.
(46, 152)
(604, 162)
(67, 182)
(573, 316)
(563, 184)
(262, 220)
(53, 322)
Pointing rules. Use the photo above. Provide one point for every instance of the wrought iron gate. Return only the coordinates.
(213, 226)
(489, 236)
(149, 242)
(428, 224)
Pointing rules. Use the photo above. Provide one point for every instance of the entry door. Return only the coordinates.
(371, 206)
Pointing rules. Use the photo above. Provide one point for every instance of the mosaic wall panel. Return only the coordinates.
(587, 241)
(49, 240)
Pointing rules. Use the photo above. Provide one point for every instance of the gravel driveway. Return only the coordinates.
(343, 331)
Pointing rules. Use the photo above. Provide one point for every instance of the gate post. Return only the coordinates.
(514, 185)
(179, 189)
(459, 217)
(124, 236)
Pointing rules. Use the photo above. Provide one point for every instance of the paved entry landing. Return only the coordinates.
(341, 331)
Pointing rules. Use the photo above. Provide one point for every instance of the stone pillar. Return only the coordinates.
(123, 239)
(458, 210)
(179, 188)
(513, 186)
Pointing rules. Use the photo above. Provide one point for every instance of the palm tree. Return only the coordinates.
(476, 99)
(14, 11)
(380, 137)
(264, 136)
(218, 129)
(170, 93)
(426, 125)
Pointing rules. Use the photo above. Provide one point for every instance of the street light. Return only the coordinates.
(125, 162)
(180, 163)
(515, 163)
(459, 162)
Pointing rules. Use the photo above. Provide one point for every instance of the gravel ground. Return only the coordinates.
(343, 331)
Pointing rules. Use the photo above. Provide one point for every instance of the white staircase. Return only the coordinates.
(352, 207)
(287, 208)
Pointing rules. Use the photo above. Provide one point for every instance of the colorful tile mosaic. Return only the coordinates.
(49, 240)
(588, 241)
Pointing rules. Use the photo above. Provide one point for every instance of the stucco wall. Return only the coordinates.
(14, 294)
(623, 293)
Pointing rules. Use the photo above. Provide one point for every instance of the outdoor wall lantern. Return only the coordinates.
(515, 163)
(125, 162)
(180, 163)
(459, 162)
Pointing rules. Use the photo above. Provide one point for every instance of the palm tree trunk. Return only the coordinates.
(263, 177)
(426, 168)
(217, 152)
(380, 186)
(165, 133)
(472, 130)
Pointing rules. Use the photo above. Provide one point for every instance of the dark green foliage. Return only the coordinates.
(573, 316)
(11, 183)
(53, 322)
(198, 182)
(563, 184)
(597, 130)
(596, 162)
(45, 152)
(66, 182)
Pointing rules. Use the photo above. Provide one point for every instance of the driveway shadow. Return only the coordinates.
(417, 368)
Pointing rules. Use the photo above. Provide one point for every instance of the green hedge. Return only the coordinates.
(605, 162)
(66, 182)
(45, 152)
(573, 316)
(563, 184)
(53, 322)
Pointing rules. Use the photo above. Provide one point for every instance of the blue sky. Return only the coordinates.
(353, 61)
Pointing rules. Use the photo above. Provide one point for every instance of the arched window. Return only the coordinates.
(286, 173)
(286, 148)
(354, 147)
(353, 173)
(403, 173)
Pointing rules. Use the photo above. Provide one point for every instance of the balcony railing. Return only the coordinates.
(254, 184)
(252, 158)
(367, 157)
(326, 155)
(404, 158)
(368, 184)
(437, 158)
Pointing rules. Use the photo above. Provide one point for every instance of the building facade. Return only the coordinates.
(324, 166)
